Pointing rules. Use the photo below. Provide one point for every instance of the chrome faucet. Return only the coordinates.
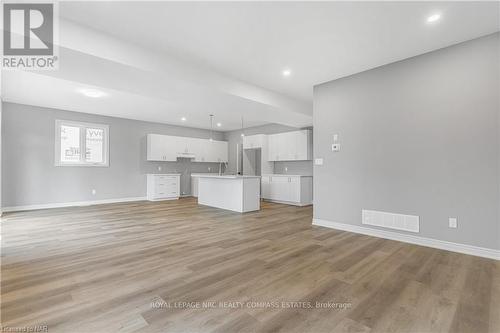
(220, 168)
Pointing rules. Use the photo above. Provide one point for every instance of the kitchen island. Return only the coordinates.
(231, 192)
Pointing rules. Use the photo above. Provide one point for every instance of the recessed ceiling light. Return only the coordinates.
(94, 93)
(433, 18)
(183, 119)
(287, 72)
(219, 124)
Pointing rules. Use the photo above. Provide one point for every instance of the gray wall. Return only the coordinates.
(420, 136)
(294, 167)
(0, 155)
(30, 177)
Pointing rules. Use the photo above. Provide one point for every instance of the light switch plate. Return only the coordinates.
(318, 161)
(452, 222)
(335, 137)
(336, 147)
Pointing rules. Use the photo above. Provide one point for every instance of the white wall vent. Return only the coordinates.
(391, 220)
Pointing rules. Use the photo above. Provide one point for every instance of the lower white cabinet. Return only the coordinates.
(163, 186)
(289, 189)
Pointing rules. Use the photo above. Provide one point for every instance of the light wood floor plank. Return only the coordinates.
(102, 268)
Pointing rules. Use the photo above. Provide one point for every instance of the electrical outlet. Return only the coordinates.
(318, 161)
(159, 168)
(335, 137)
(286, 169)
(209, 169)
(452, 222)
(94, 191)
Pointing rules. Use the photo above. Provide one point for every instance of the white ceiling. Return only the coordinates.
(160, 61)
(318, 41)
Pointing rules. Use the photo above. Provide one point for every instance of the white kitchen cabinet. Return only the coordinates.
(288, 189)
(161, 148)
(169, 148)
(274, 145)
(200, 151)
(294, 189)
(163, 186)
(280, 189)
(254, 141)
(212, 151)
(302, 145)
(187, 147)
(290, 146)
(280, 146)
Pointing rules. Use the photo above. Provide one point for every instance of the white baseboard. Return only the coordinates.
(429, 242)
(291, 203)
(70, 204)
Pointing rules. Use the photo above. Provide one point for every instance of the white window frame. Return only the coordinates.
(83, 126)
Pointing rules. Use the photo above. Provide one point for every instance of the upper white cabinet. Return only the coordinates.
(211, 151)
(161, 148)
(169, 148)
(254, 141)
(290, 146)
(186, 147)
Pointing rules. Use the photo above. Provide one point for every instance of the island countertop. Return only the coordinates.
(227, 176)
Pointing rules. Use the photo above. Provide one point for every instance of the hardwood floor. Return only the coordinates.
(118, 267)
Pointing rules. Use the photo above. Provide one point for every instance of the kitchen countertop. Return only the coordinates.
(227, 176)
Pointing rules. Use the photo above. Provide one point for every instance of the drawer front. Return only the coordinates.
(167, 183)
(166, 192)
(166, 186)
(165, 178)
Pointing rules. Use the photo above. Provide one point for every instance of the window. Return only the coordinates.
(81, 144)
